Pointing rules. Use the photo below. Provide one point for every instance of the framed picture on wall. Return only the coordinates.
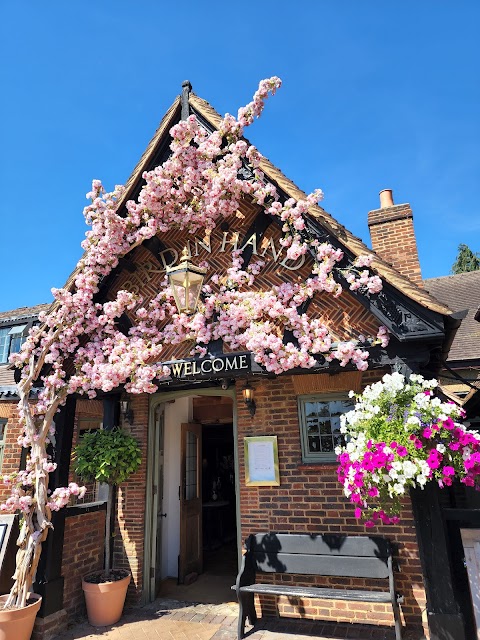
(261, 461)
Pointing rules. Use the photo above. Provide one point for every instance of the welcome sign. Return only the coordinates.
(221, 366)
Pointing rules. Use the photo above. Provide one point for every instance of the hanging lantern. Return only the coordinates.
(186, 280)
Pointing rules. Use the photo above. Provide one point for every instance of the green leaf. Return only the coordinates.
(106, 456)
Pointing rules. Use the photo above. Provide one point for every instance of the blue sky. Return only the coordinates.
(376, 95)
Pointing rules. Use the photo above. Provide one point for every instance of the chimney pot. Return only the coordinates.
(386, 198)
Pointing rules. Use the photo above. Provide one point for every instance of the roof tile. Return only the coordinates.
(460, 292)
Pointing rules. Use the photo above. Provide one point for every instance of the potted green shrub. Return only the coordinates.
(109, 457)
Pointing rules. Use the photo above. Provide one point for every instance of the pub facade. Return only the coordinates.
(230, 448)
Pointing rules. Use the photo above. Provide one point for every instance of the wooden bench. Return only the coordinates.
(317, 555)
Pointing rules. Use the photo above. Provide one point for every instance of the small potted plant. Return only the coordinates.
(108, 456)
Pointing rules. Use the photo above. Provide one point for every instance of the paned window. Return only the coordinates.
(320, 425)
(191, 471)
(11, 339)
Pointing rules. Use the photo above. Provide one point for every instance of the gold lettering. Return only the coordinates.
(270, 244)
(231, 364)
(233, 241)
(293, 267)
(196, 370)
(131, 286)
(204, 366)
(220, 367)
(177, 368)
(162, 255)
(205, 243)
(224, 242)
(189, 249)
(253, 241)
(187, 368)
(150, 269)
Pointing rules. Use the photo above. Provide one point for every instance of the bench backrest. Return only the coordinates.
(325, 555)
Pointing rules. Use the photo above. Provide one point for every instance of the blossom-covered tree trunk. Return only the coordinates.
(36, 520)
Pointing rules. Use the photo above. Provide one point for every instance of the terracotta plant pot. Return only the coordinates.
(105, 600)
(17, 624)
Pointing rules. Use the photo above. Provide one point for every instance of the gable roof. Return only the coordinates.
(354, 244)
(22, 313)
(461, 292)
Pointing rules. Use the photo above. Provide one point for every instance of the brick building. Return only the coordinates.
(192, 484)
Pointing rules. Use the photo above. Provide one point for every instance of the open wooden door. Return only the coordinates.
(191, 554)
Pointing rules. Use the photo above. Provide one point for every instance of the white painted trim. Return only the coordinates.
(149, 540)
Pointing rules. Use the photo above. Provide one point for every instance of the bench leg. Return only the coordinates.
(398, 622)
(241, 622)
(246, 603)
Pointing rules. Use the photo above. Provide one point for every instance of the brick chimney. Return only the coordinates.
(393, 237)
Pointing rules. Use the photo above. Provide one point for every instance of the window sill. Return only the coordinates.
(317, 465)
(89, 507)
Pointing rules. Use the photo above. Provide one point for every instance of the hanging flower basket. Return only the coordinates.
(399, 435)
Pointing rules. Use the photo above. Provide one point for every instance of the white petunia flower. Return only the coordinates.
(421, 480)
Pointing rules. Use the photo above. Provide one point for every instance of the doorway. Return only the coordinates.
(219, 526)
(191, 537)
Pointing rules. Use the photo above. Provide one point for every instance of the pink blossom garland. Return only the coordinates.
(197, 187)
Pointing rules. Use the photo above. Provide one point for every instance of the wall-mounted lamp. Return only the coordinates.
(186, 280)
(126, 410)
(248, 399)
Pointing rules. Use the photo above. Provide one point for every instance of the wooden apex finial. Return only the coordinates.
(186, 88)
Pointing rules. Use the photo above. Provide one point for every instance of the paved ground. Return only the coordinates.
(169, 619)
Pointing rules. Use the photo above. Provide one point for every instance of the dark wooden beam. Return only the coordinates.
(49, 580)
(186, 88)
(111, 411)
(445, 620)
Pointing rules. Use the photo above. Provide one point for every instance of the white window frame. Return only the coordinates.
(8, 333)
(320, 457)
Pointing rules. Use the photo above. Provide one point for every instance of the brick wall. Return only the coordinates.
(128, 551)
(12, 450)
(393, 238)
(310, 500)
(82, 553)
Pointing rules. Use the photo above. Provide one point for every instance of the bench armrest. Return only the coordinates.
(246, 575)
